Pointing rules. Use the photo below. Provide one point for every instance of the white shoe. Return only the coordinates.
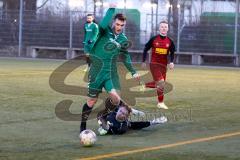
(162, 105)
(159, 120)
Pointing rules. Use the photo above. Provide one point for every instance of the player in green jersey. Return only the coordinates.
(111, 43)
(90, 36)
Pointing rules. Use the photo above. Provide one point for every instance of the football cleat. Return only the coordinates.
(162, 105)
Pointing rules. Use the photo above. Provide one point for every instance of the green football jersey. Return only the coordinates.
(90, 35)
(108, 47)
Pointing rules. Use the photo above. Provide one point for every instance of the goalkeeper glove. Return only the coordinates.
(104, 124)
(102, 131)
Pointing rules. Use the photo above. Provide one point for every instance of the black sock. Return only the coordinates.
(85, 113)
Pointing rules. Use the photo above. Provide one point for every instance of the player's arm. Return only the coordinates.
(95, 33)
(171, 54)
(128, 62)
(107, 18)
(148, 45)
(102, 116)
(84, 38)
(103, 123)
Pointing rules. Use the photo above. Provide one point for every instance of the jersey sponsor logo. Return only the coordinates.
(161, 50)
(89, 30)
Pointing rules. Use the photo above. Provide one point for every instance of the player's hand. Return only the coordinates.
(136, 76)
(102, 131)
(104, 124)
(144, 65)
(171, 66)
(90, 41)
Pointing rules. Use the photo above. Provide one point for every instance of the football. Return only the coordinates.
(87, 138)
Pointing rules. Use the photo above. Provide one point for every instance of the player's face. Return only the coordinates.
(163, 28)
(118, 26)
(89, 19)
(122, 114)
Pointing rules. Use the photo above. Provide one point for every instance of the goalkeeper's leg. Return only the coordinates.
(139, 125)
(144, 124)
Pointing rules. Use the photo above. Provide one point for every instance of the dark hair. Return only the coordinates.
(89, 14)
(120, 16)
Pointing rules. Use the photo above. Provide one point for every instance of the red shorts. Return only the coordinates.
(158, 71)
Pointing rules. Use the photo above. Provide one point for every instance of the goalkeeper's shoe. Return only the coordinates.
(159, 120)
(162, 105)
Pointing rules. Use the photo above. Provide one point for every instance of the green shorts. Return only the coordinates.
(96, 85)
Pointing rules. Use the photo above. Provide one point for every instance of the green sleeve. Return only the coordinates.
(107, 18)
(84, 39)
(128, 62)
(95, 33)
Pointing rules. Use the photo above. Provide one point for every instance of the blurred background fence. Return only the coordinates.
(210, 32)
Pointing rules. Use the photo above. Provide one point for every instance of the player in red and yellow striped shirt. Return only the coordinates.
(163, 50)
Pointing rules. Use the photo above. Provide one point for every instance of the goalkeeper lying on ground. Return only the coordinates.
(114, 119)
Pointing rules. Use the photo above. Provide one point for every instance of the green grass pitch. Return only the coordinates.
(204, 103)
